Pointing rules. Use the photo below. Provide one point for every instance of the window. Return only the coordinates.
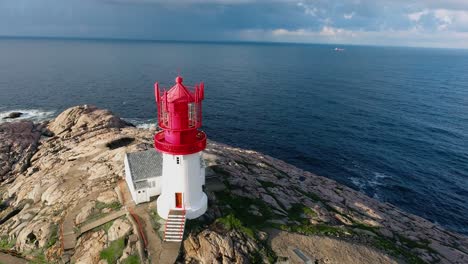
(191, 114)
(178, 160)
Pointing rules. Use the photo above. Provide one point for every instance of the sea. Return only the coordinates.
(391, 122)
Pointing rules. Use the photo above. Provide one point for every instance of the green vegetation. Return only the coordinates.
(220, 170)
(393, 249)
(373, 229)
(37, 255)
(104, 227)
(238, 207)
(133, 259)
(114, 206)
(300, 213)
(267, 184)
(6, 243)
(311, 195)
(237, 216)
(53, 236)
(423, 244)
(155, 218)
(97, 211)
(194, 226)
(231, 222)
(114, 251)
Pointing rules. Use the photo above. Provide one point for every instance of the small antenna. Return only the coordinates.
(178, 71)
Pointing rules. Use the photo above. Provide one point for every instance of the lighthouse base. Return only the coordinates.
(195, 210)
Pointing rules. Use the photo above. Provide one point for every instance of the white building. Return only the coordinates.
(182, 185)
(143, 172)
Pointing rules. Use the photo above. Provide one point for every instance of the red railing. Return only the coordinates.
(183, 149)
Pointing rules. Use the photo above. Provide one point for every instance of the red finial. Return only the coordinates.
(179, 79)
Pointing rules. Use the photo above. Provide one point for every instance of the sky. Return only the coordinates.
(422, 23)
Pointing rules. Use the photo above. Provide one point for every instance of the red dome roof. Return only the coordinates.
(179, 92)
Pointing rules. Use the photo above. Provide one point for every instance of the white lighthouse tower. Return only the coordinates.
(181, 144)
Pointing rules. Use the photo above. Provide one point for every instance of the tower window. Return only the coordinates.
(178, 160)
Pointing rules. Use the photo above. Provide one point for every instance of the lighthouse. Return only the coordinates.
(181, 144)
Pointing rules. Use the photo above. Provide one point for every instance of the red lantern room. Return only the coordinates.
(180, 116)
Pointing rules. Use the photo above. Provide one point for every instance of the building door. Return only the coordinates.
(178, 200)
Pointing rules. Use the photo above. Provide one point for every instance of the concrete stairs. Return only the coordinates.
(175, 225)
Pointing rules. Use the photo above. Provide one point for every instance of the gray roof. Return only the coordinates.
(145, 164)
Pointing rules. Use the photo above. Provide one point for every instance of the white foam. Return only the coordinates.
(358, 183)
(142, 123)
(147, 126)
(377, 179)
(36, 115)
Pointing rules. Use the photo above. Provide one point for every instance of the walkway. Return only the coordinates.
(10, 259)
(102, 220)
(157, 251)
(68, 226)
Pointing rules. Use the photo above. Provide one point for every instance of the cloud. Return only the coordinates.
(410, 37)
(308, 9)
(383, 22)
(416, 16)
(348, 16)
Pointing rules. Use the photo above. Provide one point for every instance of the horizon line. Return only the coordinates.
(217, 41)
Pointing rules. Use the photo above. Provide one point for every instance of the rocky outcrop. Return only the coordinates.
(120, 228)
(226, 247)
(13, 115)
(69, 168)
(62, 170)
(18, 143)
(84, 119)
(89, 247)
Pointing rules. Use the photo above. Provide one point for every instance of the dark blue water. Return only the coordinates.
(392, 122)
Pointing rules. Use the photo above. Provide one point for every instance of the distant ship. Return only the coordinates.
(338, 49)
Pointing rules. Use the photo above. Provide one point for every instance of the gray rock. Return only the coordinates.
(13, 115)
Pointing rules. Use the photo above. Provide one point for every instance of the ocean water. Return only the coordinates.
(391, 122)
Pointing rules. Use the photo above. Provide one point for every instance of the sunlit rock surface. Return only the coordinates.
(265, 209)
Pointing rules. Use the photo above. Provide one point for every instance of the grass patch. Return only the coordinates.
(231, 222)
(312, 196)
(267, 184)
(373, 229)
(300, 213)
(37, 255)
(423, 244)
(194, 226)
(114, 205)
(155, 218)
(133, 259)
(114, 251)
(238, 208)
(53, 238)
(394, 250)
(104, 227)
(220, 170)
(238, 217)
(97, 211)
(319, 229)
(6, 243)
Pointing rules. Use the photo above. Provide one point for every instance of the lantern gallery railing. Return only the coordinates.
(181, 149)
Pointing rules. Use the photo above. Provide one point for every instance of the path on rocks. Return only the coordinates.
(159, 252)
